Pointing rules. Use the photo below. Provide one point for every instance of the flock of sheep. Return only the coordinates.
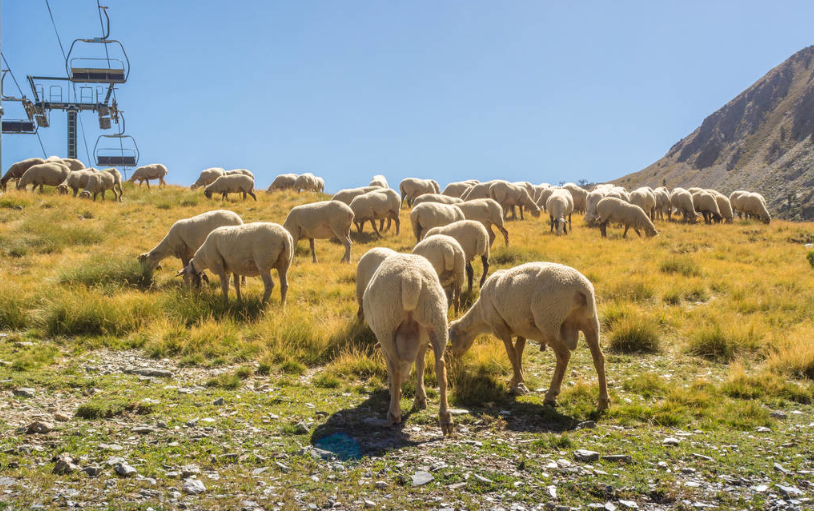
(405, 298)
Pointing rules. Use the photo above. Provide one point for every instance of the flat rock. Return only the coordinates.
(376, 422)
(669, 441)
(111, 447)
(778, 414)
(64, 465)
(481, 479)
(789, 491)
(143, 430)
(585, 455)
(61, 417)
(189, 470)
(629, 504)
(40, 427)
(380, 485)
(24, 392)
(763, 429)
(421, 478)
(458, 411)
(702, 457)
(194, 486)
(92, 471)
(780, 468)
(124, 469)
(219, 401)
(149, 371)
(618, 458)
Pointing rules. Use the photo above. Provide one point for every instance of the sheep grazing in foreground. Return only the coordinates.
(405, 307)
(545, 302)
(51, 174)
(432, 214)
(365, 269)
(611, 209)
(375, 205)
(248, 250)
(681, 201)
(186, 236)
(321, 220)
(474, 239)
(380, 181)
(753, 205)
(446, 255)
(436, 197)
(348, 194)
(234, 183)
(16, 170)
(282, 182)
(723, 206)
(560, 206)
(412, 187)
(489, 213)
(590, 208)
(706, 204)
(579, 195)
(207, 177)
(662, 202)
(72, 163)
(458, 188)
(509, 195)
(147, 173)
(75, 181)
(645, 199)
(100, 182)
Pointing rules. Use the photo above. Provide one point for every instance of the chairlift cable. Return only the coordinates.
(12, 74)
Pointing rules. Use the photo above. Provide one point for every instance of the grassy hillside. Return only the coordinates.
(707, 332)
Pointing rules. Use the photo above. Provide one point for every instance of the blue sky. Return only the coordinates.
(522, 90)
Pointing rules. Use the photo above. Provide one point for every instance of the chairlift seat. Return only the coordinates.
(23, 127)
(113, 161)
(97, 75)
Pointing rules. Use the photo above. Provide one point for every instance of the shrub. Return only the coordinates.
(724, 342)
(13, 310)
(102, 270)
(225, 381)
(635, 335)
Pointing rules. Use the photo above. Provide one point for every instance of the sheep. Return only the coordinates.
(72, 163)
(619, 193)
(248, 250)
(538, 190)
(611, 209)
(374, 206)
(186, 236)
(543, 196)
(681, 200)
(16, 170)
(320, 184)
(489, 213)
(146, 173)
(348, 194)
(394, 200)
(591, 202)
(753, 204)
(234, 183)
(645, 199)
(458, 188)
(380, 181)
(51, 174)
(580, 196)
(436, 197)
(478, 191)
(207, 177)
(706, 204)
(367, 266)
(723, 206)
(306, 182)
(509, 195)
(734, 200)
(446, 255)
(412, 187)
(321, 220)
(546, 302)
(560, 205)
(474, 239)
(245, 172)
(405, 307)
(75, 181)
(662, 201)
(282, 182)
(100, 182)
(432, 214)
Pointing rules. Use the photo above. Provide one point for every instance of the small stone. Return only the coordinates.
(40, 427)
(380, 485)
(458, 411)
(763, 429)
(610, 506)
(370, 504)
(618, 458)
(778, 414)
(161, 424)
(194, 486)
(282, 466)
(376, 422)
(586, 425)
(584, 455)
(219, 402)
(111, 447)
(92, 471)
(24, 392)
(61, 417)
(702, 457)
(552, 491)
(629, 504)
(300, 428)
(189, 470)
(148, 371)
(124, 470)
(421, 478)
(114, 460)
(668, 441)
(761, 488)
(143, 430)
(482, 479)
(789, 491)
(663, 465)
(780, 468)
(64, 465)
(259, 470)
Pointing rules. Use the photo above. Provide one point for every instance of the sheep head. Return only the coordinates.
(85, 194)
(208, 193)
(459, 339)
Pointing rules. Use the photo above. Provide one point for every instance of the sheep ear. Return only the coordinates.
(142, 257)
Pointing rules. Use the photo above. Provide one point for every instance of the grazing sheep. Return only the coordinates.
(753, 204)
(245, 172)
(706, 204)
(546, 302)
(320, 184)
(248, 250)
(645, 199)
(662, 202)
(509, 195)
(489, 213)
(580, 196)
(380, 181)
(405, 307)
(436, 197)
(478, 191)
(734, 200)
(365, 269)
(207, 177)
(560, 205)
(591, 202)
(51, 174)
(321, 220)
(412, 187)
(394, 200)
(543, 196)
(611, 209)
(307, 182)
(458, 188)
(72, 163)
(373, 206)
(681, 201)
(723, 206)
(16, 170)
(474, 239)
(147, 173)
(349, 194)
(538, 190)
(234, 183)
(100, 182)
(282, 182)
(75, 181)
(446, 255)
(432, 214)
(619, 193)
(186, 236)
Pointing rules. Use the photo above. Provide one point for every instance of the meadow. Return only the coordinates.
(707, 332)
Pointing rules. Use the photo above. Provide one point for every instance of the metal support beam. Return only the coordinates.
(71, 132)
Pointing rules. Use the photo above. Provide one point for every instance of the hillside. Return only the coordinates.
(761, 140)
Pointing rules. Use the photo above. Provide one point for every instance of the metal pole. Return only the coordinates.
(72, 132)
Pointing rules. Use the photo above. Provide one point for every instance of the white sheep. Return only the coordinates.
(538, 190)
(380, 181)
(245, 172)
(186, 236)
(477, 191)
(545, 302)
(619, 193)
(282, 182)
(321, 220)
(509, 195)
(432, 214)
(474, 239)
(591, 202)
(645, 199)
(753, 204)
(50, 173)
(412, 187)
(16, 170)
(446, 255)
(560, 206)
(458, 188)
(248, 250)
(231, 183)
(373, 206)
(662, 202)
(75, 181)
(489, 213)
(734, 200)
(543, 195)
(367, 266)
(306, 182)
(405, 307)
(72, 163)
(436, 197)
(207, 177)
(705, 203)
(100, 182)
(348, 194)
(681, 201)
(611, 209)
(147, 173)
(723, 206)
(580, 196)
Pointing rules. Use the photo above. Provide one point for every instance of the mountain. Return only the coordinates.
(763, 140)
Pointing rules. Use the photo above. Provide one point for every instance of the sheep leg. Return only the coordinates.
(376, 230)
(603, 228)
(359, 226)
(237, 286)
(268, 284)
(591, 331)
(394, 375)
(398, 223)
(444, 415)
(563, 355)
(146, 181)
(491, 234)
(551, 224)
(627, 226)
(313, 254)
(420, 402)
(345, 238)
(282, 275)
(224, 285)
(521, 212)
(161, 182)
(516, 384)
(470, 275)
(42, 188)
(485, 262)
(637, 232)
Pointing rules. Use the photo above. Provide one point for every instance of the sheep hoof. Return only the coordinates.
(520, 389)
(550, 402)
(603, 403)
(447, 425)
(392, 420)
(420, 403)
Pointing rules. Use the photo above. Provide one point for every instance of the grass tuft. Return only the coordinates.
(635, 335)
(103, 270)
(681, 265)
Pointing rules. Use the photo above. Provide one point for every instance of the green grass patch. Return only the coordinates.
(680, 265)
(104, 270)
(228, 381)
(638, 334)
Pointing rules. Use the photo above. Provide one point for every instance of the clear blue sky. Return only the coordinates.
(522, 90)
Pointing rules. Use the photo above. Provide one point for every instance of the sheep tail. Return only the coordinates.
(410, 291)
